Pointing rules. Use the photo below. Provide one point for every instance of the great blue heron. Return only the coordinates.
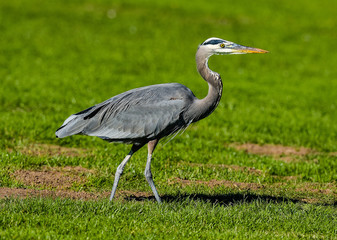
(145, 115)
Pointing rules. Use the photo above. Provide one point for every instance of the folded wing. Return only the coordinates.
(135, 116)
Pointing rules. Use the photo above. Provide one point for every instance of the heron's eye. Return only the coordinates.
(222, 45)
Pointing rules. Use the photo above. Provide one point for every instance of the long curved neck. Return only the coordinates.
(203, 107)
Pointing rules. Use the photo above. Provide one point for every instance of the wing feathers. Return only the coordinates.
(142, 113)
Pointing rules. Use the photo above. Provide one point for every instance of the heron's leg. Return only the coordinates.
(148, 175)
(120, 168)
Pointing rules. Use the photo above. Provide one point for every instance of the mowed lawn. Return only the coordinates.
(262, 166)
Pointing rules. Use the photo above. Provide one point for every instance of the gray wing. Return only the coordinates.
(134, 116)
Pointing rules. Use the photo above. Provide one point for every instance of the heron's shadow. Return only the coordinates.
(223, 199)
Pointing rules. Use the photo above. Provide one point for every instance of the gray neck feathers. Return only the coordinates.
(203, 107)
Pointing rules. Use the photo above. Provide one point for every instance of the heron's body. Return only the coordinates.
(145, 115)
(136, 116)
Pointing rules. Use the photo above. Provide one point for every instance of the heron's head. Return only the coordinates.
(219, 46)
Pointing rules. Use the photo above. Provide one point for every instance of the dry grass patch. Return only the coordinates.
(251, 170)
(53, 177)
(216, 183)
(320, 188)
(39, 149)
(285, 153)
(59, 181)
(30, 193)
(306, 192)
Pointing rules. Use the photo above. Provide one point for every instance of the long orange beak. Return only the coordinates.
(253, 50)
(243, 49)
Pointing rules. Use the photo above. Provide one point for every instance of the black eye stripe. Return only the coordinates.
(213, 42)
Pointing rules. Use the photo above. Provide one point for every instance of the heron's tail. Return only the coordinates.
(71, 126)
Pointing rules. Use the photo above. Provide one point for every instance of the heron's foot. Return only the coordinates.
(159, 199)
(111, 196)
(148, 176)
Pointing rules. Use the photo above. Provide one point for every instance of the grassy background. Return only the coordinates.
(60, 57)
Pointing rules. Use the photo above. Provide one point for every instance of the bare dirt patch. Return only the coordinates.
(26, 193)
(58, 182)
(232, 167)
(318, 188)
(29, 193)
(38, 149)
(314, 188)
(216, 183)
(285, 153)
(53, 177)
(275, 150)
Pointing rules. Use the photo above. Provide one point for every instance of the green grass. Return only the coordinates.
(60, 57)
(244, 219)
